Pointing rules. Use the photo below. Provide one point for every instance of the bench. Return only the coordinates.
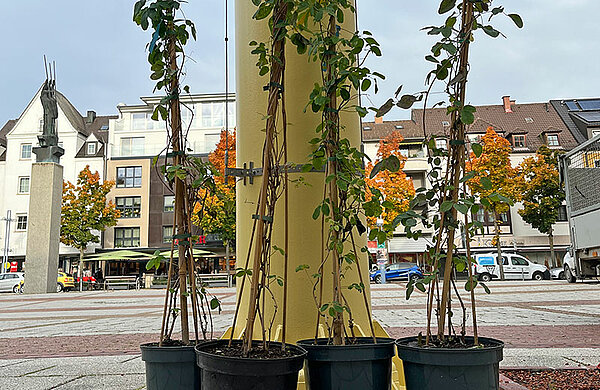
(213, 279)
(110, 282)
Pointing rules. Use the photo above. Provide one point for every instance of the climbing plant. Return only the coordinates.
(183, 174)
(447, 195)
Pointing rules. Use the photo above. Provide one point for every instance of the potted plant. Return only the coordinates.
(171, 363)
(344, 359)
(447, 359)
(255, 361)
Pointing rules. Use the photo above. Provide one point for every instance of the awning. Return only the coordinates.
(122, 254)
(196, 252)
(408, 245)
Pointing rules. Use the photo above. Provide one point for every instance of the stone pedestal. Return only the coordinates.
(43, 231)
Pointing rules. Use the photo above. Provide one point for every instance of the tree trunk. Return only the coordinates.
(552, 253)
(79, 270)
(498, 244)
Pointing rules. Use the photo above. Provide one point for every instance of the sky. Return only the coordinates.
(101, 54)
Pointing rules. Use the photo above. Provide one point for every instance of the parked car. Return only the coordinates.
(64, 282)
(11, 281)
(398, 271)
(515, 267)
(557, 273)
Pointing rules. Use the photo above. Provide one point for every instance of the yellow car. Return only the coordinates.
(64, 282)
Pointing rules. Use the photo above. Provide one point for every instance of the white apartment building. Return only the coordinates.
(83, 141)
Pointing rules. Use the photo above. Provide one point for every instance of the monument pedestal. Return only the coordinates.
(43, 231)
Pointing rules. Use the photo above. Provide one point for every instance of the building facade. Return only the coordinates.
(525, 126)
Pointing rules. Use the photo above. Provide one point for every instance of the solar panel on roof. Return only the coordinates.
(589, 116)
(572, 106)
(590, 104)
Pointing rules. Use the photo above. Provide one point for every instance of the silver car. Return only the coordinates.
(11, 281)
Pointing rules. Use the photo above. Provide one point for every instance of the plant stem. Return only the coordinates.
(169, 275)
(457, 155)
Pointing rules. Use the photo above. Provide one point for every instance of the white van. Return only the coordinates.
(515, 267)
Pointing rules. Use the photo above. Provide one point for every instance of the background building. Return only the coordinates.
(525, 126)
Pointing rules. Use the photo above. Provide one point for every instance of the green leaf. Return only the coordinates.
(446, 5)
(214, 303)
(406, 101)
(466, 116)
(517, 19)
(317, 212)
(492, 32)
(461, 208)
(486, 183)
(485, 287)
(470, 285)
(446, 206)
(366, 83)
(477, 149)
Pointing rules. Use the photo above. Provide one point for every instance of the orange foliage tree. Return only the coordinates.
(493, 179)
(397, 189)
(214, 212)
(85, 211)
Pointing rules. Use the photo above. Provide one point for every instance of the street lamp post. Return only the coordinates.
(381, 261)
(6, 240)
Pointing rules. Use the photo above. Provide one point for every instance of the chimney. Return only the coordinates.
(507, 104)
(91, 116)
(378, 120)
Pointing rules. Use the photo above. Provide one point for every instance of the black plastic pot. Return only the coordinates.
(172, 368)
(359, 366)
(235, 373)
(451, 368)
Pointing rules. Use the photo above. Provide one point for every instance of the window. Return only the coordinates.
(213, 114)
(91, 148)
(562, 214)
(167, 234)
(518, 261)
(132, 146)
(474, 138)
(41, 129)
(404, 152)
(552, 139)
(25, 151)
(441, 143)
(21, 222)
(366, 128)
(130, 207)
(129, 177)
(144, 121)
(399, 127)
(528, 120)
(24, 185)
(211, 141)
(127, 237)
(519, 141)
(445, 123)
(487, 220)
(169, 203)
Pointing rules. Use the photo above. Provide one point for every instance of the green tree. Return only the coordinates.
(542, 193)
(85, 212)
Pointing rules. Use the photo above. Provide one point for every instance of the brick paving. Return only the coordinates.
(558, 319)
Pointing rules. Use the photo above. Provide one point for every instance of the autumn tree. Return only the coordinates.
(218, 203)
(542, 192)
(396, 188)
(493, 179)
(85, 212)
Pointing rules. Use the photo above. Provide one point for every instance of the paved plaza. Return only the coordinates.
(90, 340)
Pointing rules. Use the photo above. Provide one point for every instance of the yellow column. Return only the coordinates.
(305, 233)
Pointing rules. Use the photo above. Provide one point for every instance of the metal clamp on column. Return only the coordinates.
(250, 172)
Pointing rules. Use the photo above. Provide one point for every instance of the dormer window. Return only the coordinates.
(518, 140)
(91, 148)
(440, 143)
(552, 140)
